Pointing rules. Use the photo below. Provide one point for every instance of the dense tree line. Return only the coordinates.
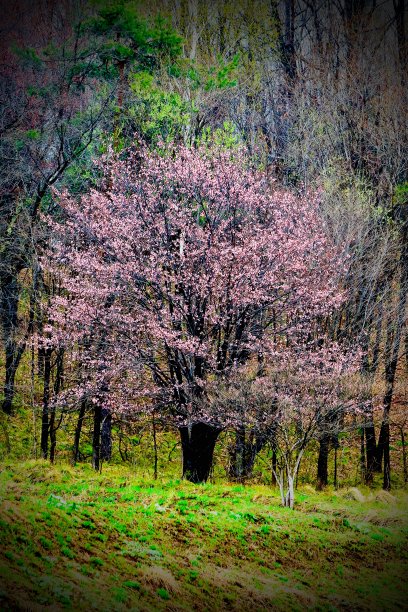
(309, 101)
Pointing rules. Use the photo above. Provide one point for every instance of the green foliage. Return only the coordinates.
(222, 76)
(158, 113)
(28, 56)
(401, 194)
(32, 134)
(67, 552)
(120, 595)
(127, 36)
(96, 562)
(400, 202)
(132, 584)
(219, 76)
(225, 137)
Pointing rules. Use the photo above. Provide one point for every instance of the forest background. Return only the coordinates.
(279, 130)
(315, 93)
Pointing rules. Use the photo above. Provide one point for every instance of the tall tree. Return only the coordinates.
(191, 247)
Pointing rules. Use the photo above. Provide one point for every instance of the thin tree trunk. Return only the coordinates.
(252, 449)
(57, 387)
(322, 462)
(33, 406)
(9, 320)
(406, 351)
(404, 454)
(9, 299)
(154, 448)
(237, 455)
(78, 429)
(290, 495)
(274, 465)
(11, 369)
(121, 91)
(394, 336)
(386, 457)
(106, 435)
(394, 332)
(287, 477)
(400, 19)
(245, 451)
(373, 465)
(280, 479)
(96, 438)
(380, 446)
(53, 436)
(335, 466)
(363, 465)
(45, 425)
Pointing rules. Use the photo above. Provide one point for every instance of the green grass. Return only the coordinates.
(71, 538)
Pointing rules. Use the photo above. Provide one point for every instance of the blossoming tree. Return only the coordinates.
(314, 390)
(183, 265)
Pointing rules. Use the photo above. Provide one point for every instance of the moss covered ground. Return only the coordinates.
(74, 539)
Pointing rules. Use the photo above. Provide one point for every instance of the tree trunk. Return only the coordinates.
(198, 443)
(274, 465)
(384, 438)
(393, 342)
(371, 448)
(45, 425)
(9, 300)
(96, 439)
(245, 452)
(369, 370)
(57, 388)
(106, 435)
(289, 60)
(53, 436)
(400, 16)
(386, 457)
(290, 494)
(335, 466)
(78, 429)
(253, 448)
(237, 456)
(9, 380)
(9, 320)
(286, 478)
(406, 351)
(380, 446)
(363, 465)
(280, 479)
(404, 455)
(322, 462)
(155, 461)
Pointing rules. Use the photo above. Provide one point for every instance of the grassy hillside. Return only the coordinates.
(71, 538)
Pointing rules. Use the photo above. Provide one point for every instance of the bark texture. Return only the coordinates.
(198, 443)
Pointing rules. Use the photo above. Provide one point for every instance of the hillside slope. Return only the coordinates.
(73, 539)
